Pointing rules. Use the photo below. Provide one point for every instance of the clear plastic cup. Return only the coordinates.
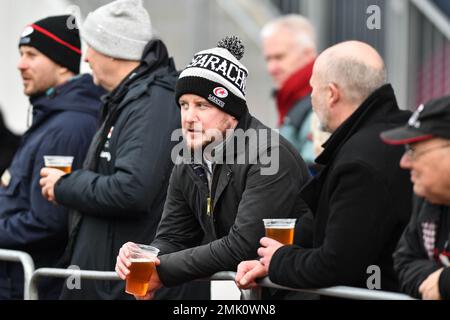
(142, 266)
(62, 163)
(281, 230)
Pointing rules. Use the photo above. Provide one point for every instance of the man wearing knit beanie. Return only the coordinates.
(65, 111)
(119, 194)
(216, 197)
(59, 47)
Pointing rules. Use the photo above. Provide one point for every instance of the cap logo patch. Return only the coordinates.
(414, 120)
(220, 92)
(28, 30)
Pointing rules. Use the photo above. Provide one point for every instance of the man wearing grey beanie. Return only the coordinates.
(119, 194)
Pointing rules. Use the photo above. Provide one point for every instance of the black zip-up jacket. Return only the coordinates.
(412, 260)
(119, 195)
(241, 196)
(361, 203)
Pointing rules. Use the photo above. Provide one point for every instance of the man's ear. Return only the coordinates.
(334, 94)
(232, 121)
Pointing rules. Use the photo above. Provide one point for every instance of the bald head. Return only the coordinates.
(355, 67)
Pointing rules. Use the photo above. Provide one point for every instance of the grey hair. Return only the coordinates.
(299, 25)
(356, 79)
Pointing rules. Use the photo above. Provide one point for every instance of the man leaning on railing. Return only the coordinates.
(421, 258)
(361, 199)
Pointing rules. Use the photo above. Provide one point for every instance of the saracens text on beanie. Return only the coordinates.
(230, 71)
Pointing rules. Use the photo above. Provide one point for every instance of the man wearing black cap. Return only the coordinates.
(422, 255)
(65, 110)
(221, 196)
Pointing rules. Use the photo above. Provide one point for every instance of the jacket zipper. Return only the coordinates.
(209, 205)
(209, 199)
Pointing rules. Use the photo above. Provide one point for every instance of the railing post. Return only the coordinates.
(27, 263)
(33, 293)
(251, 294)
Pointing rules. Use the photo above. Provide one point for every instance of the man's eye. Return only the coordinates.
(203, 106)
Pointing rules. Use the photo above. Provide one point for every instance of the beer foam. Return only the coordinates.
(280, 227)
(141, 260)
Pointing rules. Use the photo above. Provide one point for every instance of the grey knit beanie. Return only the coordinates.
(120, 29)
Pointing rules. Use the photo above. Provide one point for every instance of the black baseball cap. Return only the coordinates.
(431, 120)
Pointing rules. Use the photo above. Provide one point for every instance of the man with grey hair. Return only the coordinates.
(361, 200)
(289, 48)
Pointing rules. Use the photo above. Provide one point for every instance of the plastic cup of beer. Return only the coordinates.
(62, 163)
(281, 230)
(142, 266)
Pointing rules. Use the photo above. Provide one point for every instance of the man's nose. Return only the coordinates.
(190, 115)
(405, 161)
(272, 67)
(22, 65)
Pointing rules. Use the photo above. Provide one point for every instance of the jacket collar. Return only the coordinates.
(227, 149)
(77, 94)
(153, 63)
(374, 108)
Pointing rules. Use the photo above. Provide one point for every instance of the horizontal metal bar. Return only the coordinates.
(253, 294)
(83, 274)
(343, 292)
(27, 264)
(222, 276)
(106, 275)
(65, 273)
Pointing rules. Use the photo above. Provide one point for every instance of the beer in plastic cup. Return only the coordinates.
(62, 163)
(142, 266)
(281, 230)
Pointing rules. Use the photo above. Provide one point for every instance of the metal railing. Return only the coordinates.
(251, 294)
(33, 293)
(32, 276)
(27, 264)
(341, 292)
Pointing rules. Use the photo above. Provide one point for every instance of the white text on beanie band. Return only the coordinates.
(226, 68)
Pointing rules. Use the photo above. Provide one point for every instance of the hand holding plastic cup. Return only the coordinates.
(281, 230)
(62, 163)
(142, 266)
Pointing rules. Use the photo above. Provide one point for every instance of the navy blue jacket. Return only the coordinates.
(64, 122)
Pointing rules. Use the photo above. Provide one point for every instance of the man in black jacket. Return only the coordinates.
(231, 184)
(360, 201)
(421, 258)
(119, 195)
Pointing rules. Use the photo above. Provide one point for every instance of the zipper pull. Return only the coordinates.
(208, 206)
